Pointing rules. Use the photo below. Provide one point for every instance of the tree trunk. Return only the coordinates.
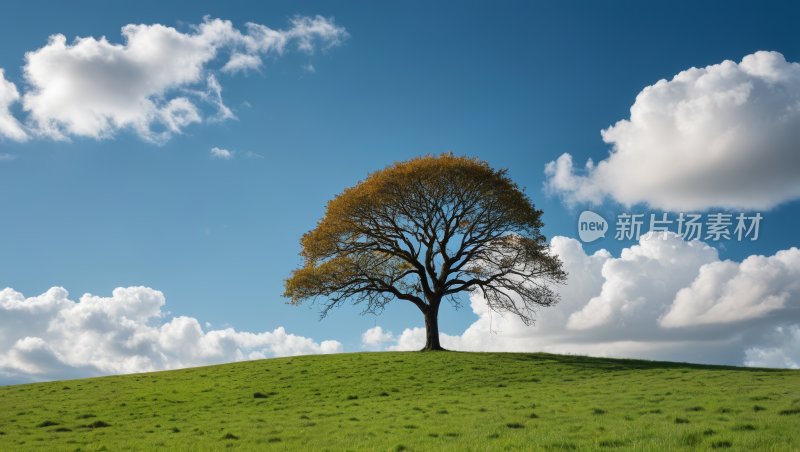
(432, 328)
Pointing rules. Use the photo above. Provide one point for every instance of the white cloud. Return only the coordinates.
(221, 153)
(721, 136)
(783, 350)
(727, 291)
(9, 127)
(304, 29)
(242, 62)
(310, 68)
(644, 278)
(95, 88)
(7, 157)
(375, 337)
(250, 154)
(51, 337)
(215, 93)
(414, 339)
(638, 306)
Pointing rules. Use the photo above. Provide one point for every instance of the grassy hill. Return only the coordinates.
(413, 401)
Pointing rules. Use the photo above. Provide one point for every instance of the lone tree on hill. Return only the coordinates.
(425, 230)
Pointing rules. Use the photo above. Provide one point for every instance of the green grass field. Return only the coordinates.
(393, 401)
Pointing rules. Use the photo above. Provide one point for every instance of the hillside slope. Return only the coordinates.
(393, 401)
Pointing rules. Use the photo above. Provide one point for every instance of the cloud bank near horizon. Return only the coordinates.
(721, 136)
(660, 300)
(152, 84)
(50, 337)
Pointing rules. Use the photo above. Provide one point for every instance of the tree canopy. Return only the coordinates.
(426, 230)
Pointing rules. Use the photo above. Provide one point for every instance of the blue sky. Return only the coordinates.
(517, 84)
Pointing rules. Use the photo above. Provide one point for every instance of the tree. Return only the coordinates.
(425, 230)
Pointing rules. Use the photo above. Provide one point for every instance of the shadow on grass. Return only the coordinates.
(617, 364)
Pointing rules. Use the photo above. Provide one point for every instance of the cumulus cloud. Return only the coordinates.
(661, 299)
(644, 278)
(726, 292)
(375, 337)
(721, 136)
(782, 349)
(414, 339)
(410, 339)
(9, 126)
(95, 88)
(221, 153)
(51, 337)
